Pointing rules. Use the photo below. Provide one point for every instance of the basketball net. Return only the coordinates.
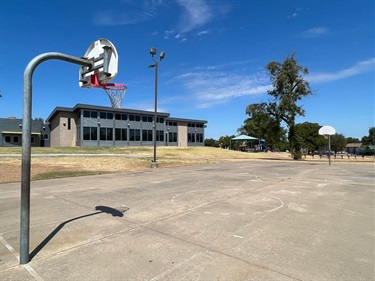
(115, 91)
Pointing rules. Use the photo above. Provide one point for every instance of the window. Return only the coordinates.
(90, 133)
(32, 139)
(131, 118)
(138, 118)
(45, 136)
(191, 125)
(160, 120)
(172, 137)
(191, 137)
(146, 135)
(106, 134)
(15, 139)
(106, 115)
(121, 134)
(159, 135)
(69, 123)
(134, 135)
(147, 119)
(172, 123)
(7, 139)
(119, 116)
(90, 114)
(199, 137)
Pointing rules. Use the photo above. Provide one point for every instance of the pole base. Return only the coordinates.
(154, 164)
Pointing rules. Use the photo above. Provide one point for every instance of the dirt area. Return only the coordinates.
(10, 167)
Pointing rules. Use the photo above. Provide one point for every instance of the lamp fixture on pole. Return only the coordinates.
(154, 163)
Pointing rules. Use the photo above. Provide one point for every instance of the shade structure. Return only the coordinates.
(244, 137)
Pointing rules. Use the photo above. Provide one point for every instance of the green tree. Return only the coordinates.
(262, 125)
(338, 142)
(352, 140)
(289, 87)
(211, 142)
(307, 135)
(224, 141)
(370, 139)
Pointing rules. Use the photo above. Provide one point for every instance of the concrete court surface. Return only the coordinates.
(244, 220)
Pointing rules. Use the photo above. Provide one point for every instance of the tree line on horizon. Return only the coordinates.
(267, 119)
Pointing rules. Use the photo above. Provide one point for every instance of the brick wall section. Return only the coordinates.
(182, 134)
(63, 134)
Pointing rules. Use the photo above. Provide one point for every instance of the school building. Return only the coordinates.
(90, 125)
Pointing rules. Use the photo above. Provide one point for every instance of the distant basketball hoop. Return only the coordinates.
(327, 131)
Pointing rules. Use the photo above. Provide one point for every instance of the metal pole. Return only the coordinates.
(156, 109)
(26, 144)
(329, 149)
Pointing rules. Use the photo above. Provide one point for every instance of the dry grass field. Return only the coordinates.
(50, 163)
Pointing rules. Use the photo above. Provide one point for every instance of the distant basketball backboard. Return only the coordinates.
(104, 55)
(327, 130)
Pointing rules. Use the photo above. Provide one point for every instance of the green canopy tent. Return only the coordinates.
(242, 138)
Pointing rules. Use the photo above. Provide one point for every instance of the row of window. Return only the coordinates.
(195, 125)
(120, 116)
(192, 137)
(18, 139)
(106, 134)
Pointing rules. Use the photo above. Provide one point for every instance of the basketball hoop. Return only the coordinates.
(115, 91)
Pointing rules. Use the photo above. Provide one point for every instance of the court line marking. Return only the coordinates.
(175, 267)
(27, 267)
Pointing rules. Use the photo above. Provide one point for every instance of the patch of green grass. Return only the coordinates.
(66, 174)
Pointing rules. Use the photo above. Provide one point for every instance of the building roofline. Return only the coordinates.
(57, 110)
(120, 110)
(127, 110)
(186, 120)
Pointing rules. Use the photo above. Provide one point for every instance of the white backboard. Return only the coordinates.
(105, 57)
(327, 130)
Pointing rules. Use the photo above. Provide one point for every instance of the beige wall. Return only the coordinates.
(60, 134)
(182, 134)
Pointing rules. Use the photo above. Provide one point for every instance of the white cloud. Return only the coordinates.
(195, 14)
(314, 32)
(358, 68)
(211, 87)
(203, 32)
(295, 13)
(134, 12)
(168, 33)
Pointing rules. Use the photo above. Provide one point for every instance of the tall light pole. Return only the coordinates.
(154, 163)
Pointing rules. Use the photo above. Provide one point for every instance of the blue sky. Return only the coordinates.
(216, 53)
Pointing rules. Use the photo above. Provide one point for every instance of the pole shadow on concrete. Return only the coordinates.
(100, 209)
